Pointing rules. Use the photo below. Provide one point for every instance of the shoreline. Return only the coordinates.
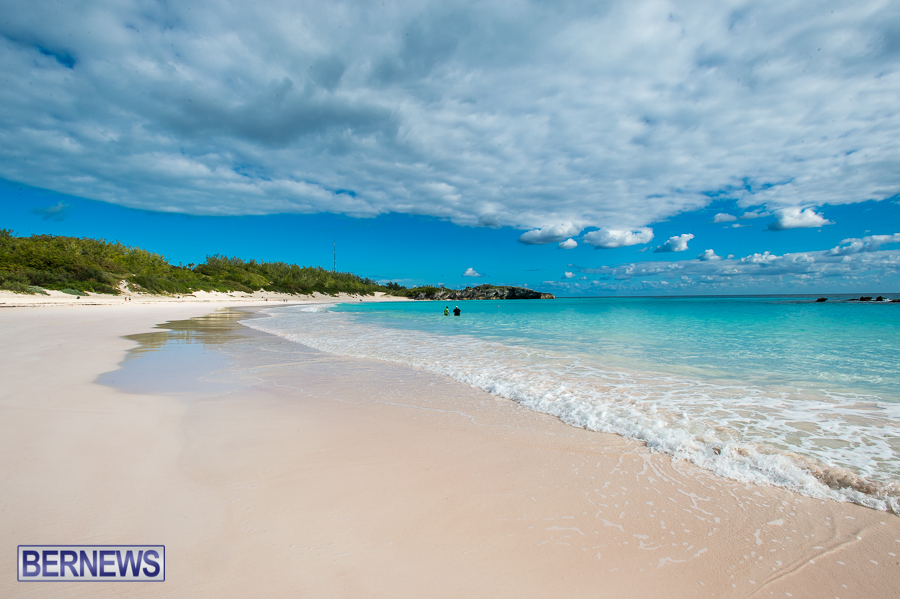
(672, 421)
(434, 488)
(53, 298)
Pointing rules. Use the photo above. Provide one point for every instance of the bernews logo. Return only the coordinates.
(97, 563)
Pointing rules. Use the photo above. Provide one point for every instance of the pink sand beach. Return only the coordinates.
(325, 476)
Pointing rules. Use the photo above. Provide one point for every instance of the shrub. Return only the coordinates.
(80, 265)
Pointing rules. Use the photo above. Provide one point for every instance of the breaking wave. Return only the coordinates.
(832, 446)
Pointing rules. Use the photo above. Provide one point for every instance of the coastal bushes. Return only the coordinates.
(53, 262)
(426, 290)
(28, 264)
(479, 292)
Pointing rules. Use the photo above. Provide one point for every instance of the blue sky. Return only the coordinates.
(432, 139)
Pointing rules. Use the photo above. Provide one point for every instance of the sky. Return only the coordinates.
(605, 148)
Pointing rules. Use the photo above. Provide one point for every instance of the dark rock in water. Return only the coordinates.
(822, 299)
(879, 299)
(895, 300)
(866, 298)
(485, 292)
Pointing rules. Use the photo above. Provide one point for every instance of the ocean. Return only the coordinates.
(776, 390)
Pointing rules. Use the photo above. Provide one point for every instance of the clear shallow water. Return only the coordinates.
(772, 390)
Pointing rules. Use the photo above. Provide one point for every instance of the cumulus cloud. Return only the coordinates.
(514, 114)
(612, 238)
(855, 263)
(795, 218)
(568, 244)
(870, 243)
(549, 234)
(723, 218)
(568, 275)
(708, 255)
(676, 243)
(471, 272)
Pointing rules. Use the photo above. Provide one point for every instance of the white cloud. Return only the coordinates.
(568, 244)
(613, 238)
(752, 215)
(738, 226)
(708, 255)
(855, 263)
(757, 258)
(549, 234)
(870, 243)
(495, 114)
(795, 218)
(676, 243)
(471, 272)
(568, 275)
(721, 217)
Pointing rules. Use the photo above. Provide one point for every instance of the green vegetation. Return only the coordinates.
(29, 264)
(428, 290)
(479, 292)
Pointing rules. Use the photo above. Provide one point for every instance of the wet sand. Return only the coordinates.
(270, 469)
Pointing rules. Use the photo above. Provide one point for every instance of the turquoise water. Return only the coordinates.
(772, 390)
(850, 347)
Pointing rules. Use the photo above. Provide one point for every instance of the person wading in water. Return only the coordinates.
(456, 311)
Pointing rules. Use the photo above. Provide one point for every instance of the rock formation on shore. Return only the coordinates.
(484, 292)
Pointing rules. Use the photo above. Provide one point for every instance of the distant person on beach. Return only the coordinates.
(446, 310)
(456, 311)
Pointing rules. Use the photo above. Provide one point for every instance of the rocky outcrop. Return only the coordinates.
(868, 298)
(484, 292)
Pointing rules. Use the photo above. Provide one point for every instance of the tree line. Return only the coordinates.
(31, 264)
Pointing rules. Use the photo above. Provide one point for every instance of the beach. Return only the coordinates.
(269, 469)
(51, 297)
